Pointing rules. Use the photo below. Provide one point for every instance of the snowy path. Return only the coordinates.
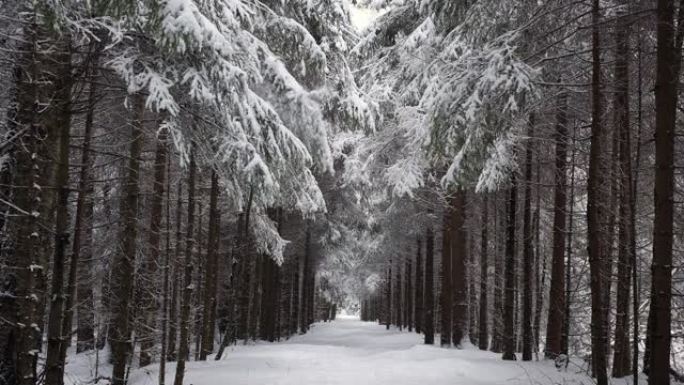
(348, 351)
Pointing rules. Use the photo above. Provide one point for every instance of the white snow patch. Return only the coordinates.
(347, 351)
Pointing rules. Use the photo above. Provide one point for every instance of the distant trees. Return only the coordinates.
(573, 93)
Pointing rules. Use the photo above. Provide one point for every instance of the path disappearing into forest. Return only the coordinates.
(350, 352)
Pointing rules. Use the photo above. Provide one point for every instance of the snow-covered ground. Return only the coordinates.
(350, 352)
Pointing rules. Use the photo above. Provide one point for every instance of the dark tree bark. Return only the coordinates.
(509, 285)
(565, 338)
(59, 127)
(540, 273)
(21, 309)
(446, 290)
(597, 204)
(419, 310)
(200, 262)
(622, 352)
(497, 321)
(209, 315)
(154, 256)
(184, 320)
(388, 296)
(124, 261)
(173, 306)
(83, 228)
(429, 320)
(632, 229)
(398, 316)
(167, 272)
(668, 64)
(409, 295)
(528, 252)
(304, 281)
(554, 325)
(483, 338)
(459, 249)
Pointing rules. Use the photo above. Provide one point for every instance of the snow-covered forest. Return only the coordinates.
(204, 192)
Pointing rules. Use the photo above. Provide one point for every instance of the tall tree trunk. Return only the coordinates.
(429, 320)
(419, 310)
(167, 273)
(540, 272)
(60, 128)
(208, 317)
(668, 63)
(632, 229)
(528, 252)
(497, 321)
(397, 296)
(304, 280)
(124, 260)
(154, 256)
(200, 263)
(483, 338)
(184, 321)
(459, 265)
(554, 325)
(509, 285)
(565, 338)
(82, 251)
(23, 340)
(622, 354)
(408, 292)
(388, 296)
(173, 306)
(446, 290)
(597, 204)
(539, 265)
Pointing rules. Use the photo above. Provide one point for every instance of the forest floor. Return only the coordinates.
(348, 351)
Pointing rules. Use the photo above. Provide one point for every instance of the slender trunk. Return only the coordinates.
(167, 272)
(208, 316)
(60, 128)
(497, 322)
(200, 262)
(554, 325)
(483, 339)
(397, 297)
(540, 274)
(419, 311)
(668, 63)
(597, 204)
(429, 320)
(446, 290)
(388, 297)
(459, 268)
(528, 252)
(509, 291)
(184, 321)
(622, 354)
(473, 301)
(408, 292)
(304, 280)
(82, 251)
(124, 261)
(565, 338)
(153, 258)
(632, 229)
(173, 306)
